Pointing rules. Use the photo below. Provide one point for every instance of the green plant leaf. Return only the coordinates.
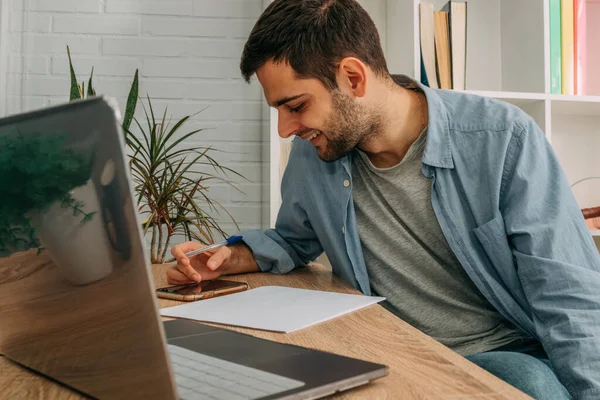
(172, 193)
(74, 93)
(181, 139)
(136, 145)
(132, 98)
(88, 217)
(144, 134)
(149, 123)
(186, 231)
(220, 168)
(152, 111)
(159, 142)
(153, 131)
(206, 236)
(91, 91)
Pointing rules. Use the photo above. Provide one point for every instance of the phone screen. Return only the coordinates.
(197, 288)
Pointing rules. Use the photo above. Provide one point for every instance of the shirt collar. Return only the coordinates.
(438, 152)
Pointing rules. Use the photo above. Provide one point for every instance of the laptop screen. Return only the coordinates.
(76, 296)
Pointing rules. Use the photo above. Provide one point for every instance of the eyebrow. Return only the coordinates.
(281, 102)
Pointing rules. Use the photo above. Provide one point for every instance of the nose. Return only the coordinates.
(287, 125)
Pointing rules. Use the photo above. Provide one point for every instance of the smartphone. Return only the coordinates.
(201, 291)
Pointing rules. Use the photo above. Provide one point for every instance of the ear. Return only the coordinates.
(352, 76)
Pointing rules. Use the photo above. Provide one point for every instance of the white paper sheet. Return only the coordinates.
(272, 308)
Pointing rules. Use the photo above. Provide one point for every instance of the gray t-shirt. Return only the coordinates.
(410, 262)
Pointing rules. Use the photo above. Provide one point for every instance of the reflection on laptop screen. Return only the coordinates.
(83, 304)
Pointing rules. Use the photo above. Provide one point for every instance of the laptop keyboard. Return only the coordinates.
(202, 377)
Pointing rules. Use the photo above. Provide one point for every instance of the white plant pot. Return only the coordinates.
(79, 250)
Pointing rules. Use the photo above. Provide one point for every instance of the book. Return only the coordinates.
(457, 26)
(427, 45)
(424, 79)
(442, 49)
(579, 45)
(555, 47)
(592, 84)
(567, 52)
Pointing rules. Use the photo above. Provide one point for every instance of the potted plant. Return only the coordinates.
(49, 202)
(172, 194)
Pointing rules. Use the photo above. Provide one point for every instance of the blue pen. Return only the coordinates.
(227, 242)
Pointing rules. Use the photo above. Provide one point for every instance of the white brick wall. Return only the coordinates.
(188, 54)
(103, 24)
(74, 6)
(160, 7)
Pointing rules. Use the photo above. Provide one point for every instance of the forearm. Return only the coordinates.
(241, 261)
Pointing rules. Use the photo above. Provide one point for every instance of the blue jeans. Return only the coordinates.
(525, 365)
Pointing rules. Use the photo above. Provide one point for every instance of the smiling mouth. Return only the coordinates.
(311, 136)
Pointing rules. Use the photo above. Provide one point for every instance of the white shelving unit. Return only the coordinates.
(507, 59)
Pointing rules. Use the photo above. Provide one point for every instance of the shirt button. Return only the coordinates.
(343, 229)
(346, 183)
(356, 277)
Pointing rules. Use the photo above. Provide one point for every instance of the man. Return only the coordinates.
(452, 206)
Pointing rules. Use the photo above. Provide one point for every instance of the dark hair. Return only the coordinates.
(313, 36)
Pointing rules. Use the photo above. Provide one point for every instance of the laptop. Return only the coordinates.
(83, 311)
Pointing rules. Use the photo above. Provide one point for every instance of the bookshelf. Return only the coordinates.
(508, 59)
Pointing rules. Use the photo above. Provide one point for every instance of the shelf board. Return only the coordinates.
(568, 97)
(536, 96)
(561, 104)
(575, 105)
(519, 99)
(595, 233)
(510, 95)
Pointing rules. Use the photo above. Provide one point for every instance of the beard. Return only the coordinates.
(348, 125)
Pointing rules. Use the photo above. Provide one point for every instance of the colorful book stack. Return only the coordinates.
(568, 46)
(443, 36)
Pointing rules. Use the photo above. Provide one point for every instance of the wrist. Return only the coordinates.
(240, 261)
(228, 267)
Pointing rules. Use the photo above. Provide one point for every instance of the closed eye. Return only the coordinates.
(298, 108)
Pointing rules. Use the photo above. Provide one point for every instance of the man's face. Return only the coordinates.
(333, 121)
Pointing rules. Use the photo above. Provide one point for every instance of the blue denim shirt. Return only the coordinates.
(505, 208)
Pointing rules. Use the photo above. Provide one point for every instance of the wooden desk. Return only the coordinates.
(420, 367)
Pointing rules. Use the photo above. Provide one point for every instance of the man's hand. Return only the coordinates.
(235, 259)
(202, 267)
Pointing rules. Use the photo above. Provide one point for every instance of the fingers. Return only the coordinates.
(189, 271)
(184, 272)
(176, 277)
(179, 251)
(183, 263)
(218, 258)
